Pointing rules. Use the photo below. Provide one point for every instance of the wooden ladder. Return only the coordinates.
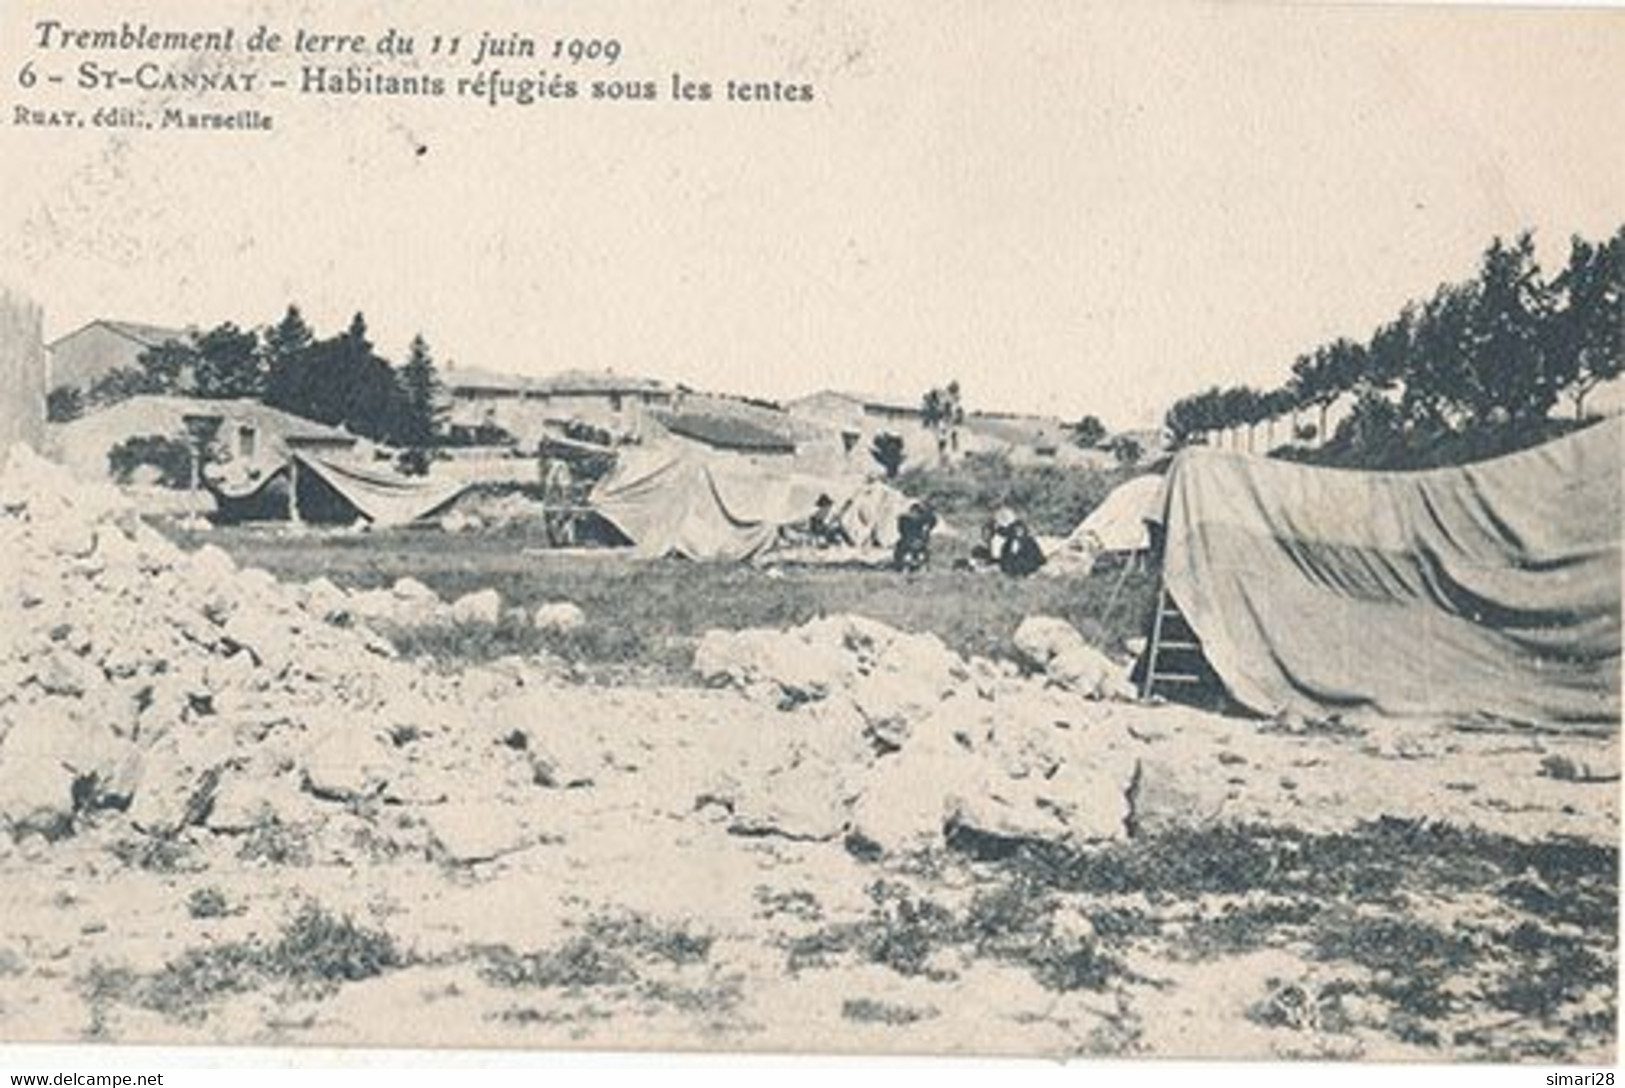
(1170, 631)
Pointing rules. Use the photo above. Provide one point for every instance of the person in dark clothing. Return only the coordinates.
(1018, 552)
(914, 526)
(824, 527)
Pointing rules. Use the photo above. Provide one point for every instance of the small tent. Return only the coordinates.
(1119, 523)
(1485, 591)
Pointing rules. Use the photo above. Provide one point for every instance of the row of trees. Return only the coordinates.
(340, 380)
(1504, 348)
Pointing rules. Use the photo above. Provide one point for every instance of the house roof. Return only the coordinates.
(148, 336)
(824, 398)
(459, 377)
(157, 413)
(726, 432)
(597, 381)
(564, 383)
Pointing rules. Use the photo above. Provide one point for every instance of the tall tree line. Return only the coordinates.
(339, 380)
(1504, 348)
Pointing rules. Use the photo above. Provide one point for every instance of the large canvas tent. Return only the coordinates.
(330, 491)
(1488, 591)
(673, 501)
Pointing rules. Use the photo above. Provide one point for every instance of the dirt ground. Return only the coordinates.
(1355, 916)
(236, 815)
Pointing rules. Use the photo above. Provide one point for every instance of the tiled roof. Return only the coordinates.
(726, 432)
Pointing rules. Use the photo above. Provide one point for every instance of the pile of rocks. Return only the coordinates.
(409, 603)
(168, 693)
(140, 682)
(896, 741)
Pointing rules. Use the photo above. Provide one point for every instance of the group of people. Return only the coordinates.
(1007, 544)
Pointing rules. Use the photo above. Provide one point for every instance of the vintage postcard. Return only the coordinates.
(1078, 530)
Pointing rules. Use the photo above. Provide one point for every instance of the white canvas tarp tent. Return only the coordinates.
(329, 491)
(670, 500)
(1118, 524)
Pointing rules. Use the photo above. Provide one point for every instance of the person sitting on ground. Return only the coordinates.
(824, 528)
(914, 525)
(1020, 554)
(1010, 545)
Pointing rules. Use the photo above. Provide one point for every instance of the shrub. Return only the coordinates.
(1052, 498)
(64, 404)
(171, 456)
(207, 902)
(315, 947)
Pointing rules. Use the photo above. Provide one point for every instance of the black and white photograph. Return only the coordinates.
(1079, 531)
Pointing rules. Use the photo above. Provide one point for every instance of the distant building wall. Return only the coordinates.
(22, 372)
(526, 414)
(83, 357)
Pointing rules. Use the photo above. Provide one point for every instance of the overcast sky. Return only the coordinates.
(1068, 208)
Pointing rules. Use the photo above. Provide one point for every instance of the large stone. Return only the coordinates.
(559, 616)
(480, 607)
(1054, 646)
(55, 762)
(256, 797)
(893, 677)
(906, 798)
(1165, 794)
(177, 778)
(210, 566)
(267, 637)
(325, 601)
(410, 589)
(63, 672)
(1075, 803)
(476, 831)
(345, 758)
(806, 799)
(783, 669)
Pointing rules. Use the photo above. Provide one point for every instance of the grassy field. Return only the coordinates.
(647, 614)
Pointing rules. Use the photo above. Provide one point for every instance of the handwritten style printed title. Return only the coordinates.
(216, 63)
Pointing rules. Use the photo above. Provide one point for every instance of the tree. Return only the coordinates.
(1440, 360)
(941, 411)
(1088, 432)
(1274, 404)
(1391, 352)
(64, 404)
(1126, 450)
(1194, 417)
(340, 381)
(420, 397)
(1508, 372)
(1373, 430)
(1242, 406)
(1318, 379)
(1588, 335)
(120, 383)
(887, 450)
(228, 364)
(283, 346)
(171, 367)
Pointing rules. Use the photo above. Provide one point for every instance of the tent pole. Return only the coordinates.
(1148, 682)
(293, 490)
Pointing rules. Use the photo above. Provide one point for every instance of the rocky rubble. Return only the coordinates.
(934, 743)
(175, 690)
